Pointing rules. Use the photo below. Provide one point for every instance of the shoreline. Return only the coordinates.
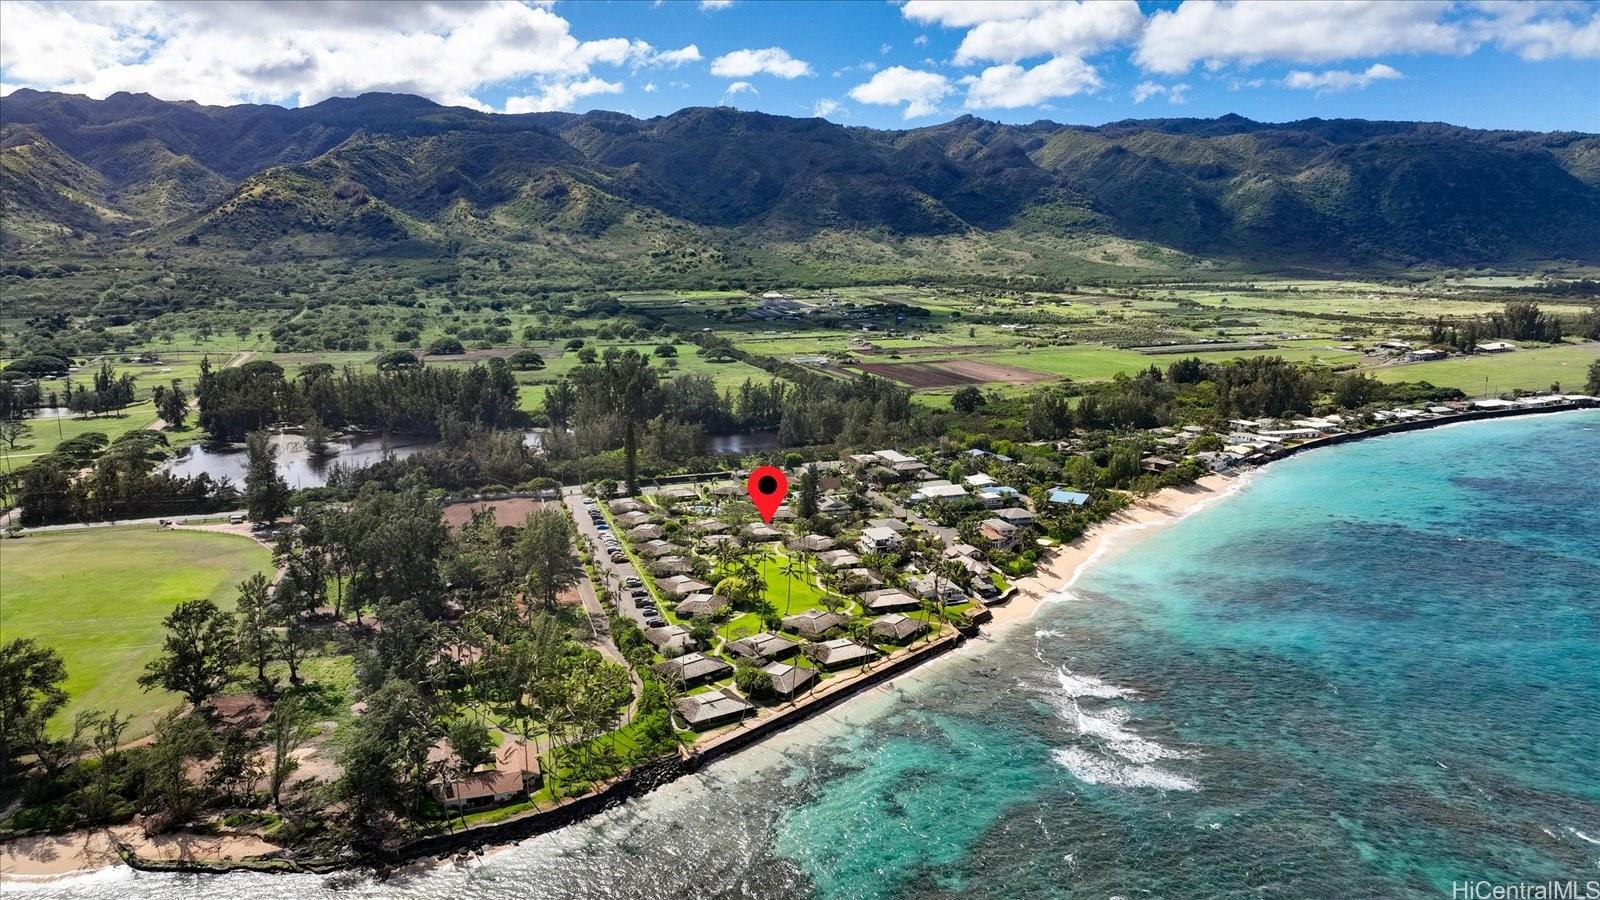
(94, 851)
(1143, 517)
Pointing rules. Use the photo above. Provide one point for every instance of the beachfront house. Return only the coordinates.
(839, 653)
(1156, 464)
(1062, 497)
(479, 790)
(713, 709)
(1000, 533)
(788, 680)
(897, 628)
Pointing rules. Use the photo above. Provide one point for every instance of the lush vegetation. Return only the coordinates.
(838, 200)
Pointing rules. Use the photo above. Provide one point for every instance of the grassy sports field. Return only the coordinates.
(98, 597)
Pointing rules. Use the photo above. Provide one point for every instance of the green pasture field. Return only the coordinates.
(98, 596)
(1533, 369)
(48, 432)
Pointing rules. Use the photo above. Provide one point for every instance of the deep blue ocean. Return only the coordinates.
(1373, 672)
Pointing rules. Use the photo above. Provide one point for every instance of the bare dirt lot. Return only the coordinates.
(512, 512)
(952, 373)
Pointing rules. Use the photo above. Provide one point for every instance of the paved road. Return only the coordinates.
(179, 520)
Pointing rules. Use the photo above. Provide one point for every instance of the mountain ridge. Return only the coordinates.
(383, 168)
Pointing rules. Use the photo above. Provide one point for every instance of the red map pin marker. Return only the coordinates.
(768, 487)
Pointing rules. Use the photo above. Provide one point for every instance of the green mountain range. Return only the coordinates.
(388, 173)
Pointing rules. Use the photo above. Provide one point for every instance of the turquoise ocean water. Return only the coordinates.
(1373, 672)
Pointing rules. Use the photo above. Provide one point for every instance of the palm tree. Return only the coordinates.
(790, 564)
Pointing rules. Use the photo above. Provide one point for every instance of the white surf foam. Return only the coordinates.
(1132, 747)
(1581, 836)
(1074, 686)
(1092, 769)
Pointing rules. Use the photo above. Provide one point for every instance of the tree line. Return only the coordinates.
(421, 401)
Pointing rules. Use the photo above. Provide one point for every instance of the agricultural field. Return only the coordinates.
(1491, 374)
(98, 596)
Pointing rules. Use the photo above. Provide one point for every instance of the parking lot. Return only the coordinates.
(621, 579)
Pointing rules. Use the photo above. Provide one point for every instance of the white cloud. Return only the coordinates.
(966, 13)
(1539, 32)
(734, 90)
(769, 61)
(714, 5)
(1012, 86)
(1334, 81)
(635, 53)
(826, 107)
(649, 87)
(919, 91)
(1176, 94)
(688, 53)
(1217, 32)
(561, 95)
(302, 52)
(920, 40)
(1070, 28)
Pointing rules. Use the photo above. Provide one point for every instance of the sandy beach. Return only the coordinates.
(50, 856)
(1067, 562)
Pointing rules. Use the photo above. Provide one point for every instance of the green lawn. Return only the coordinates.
(1496, 373)
(98, 597)
(805, 594)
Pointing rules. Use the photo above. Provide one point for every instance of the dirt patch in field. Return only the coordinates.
(507, 513)
(952, 373)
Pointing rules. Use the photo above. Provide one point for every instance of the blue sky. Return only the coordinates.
(1529, 65)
